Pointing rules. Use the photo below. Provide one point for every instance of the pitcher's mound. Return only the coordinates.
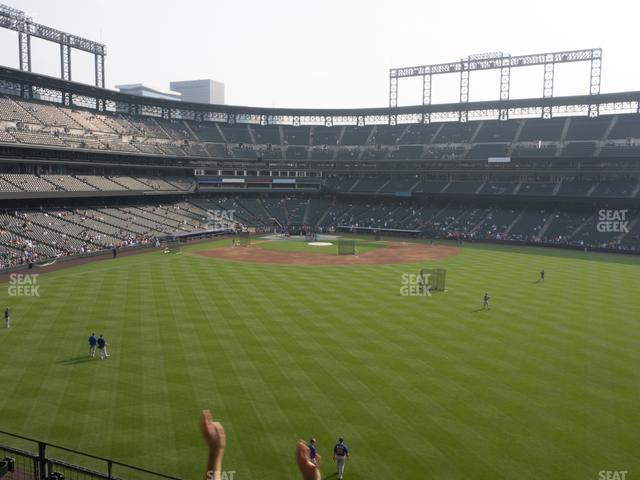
(393, 252)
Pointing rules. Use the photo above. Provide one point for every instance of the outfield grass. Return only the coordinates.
(545, 385)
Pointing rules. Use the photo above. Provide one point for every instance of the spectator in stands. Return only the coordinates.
(215, 437)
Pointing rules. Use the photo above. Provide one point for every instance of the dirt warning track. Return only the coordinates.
(393, 252)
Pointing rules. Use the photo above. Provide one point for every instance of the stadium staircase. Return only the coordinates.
(517, 189)
(563, 137)
(632, 226)
(383, 185)
(582, 226)
(323, 216)
(547, 224)
(515, 221)
(592, 189)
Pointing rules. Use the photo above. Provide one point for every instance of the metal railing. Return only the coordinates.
(33, 461)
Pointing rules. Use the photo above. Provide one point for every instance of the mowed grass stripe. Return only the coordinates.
(543, 385)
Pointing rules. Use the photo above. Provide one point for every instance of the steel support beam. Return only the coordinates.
(65, 71)
(547, 83)
(393, 92)
(24, 50)
(594, 82)
(496, 61)
(464, 82)
(99, 70)
(65, 62)
(505, 80)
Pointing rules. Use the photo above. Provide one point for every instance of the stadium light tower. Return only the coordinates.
(504, 63)
(18, 21)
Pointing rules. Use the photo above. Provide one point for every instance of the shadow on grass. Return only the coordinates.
(478, 310)
(334, 474)
(76, 360)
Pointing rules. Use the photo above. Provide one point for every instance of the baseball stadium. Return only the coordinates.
(451, 287)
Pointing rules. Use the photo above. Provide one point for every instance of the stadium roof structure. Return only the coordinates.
(142, 90)
(30, 85)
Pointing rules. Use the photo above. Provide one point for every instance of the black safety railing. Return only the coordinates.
(38, 460)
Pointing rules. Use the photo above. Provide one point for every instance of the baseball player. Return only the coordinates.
(92, 345)
(485, 302)
(7, 317)
(542, 276)
(102, 347)
(313, 452)
(340, 456)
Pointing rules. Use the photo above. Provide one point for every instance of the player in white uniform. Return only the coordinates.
(485, 301)
(340, 456)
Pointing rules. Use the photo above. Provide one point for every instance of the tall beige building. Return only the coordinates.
(200, 91)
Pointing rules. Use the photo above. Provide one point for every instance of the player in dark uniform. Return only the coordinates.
(92, 345)
(542, 276)
(102, 343)
(340, 456)
(485, 302)
(7, 317)
(313, 452)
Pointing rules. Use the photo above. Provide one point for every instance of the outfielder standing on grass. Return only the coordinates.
(485, 302)
(313, 452)
(92, 345)
(340, 456)
(102, 343)
(7, 317)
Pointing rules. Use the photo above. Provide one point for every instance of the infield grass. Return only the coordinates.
(544, 385)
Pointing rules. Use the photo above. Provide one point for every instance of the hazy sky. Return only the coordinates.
(332, 53)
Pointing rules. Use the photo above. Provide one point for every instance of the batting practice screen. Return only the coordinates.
(346, 247)
(244, 239)
(436, 277)
(172, 246)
